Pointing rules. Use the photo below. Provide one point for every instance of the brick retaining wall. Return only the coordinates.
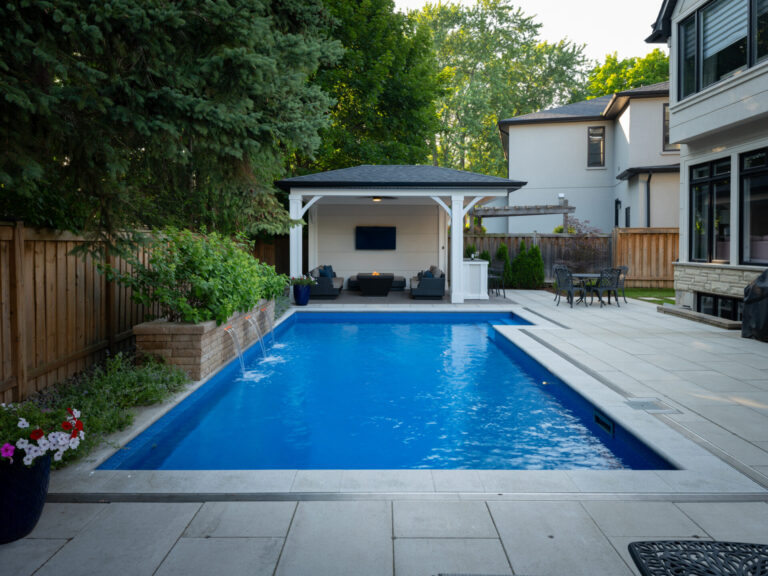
(200, 349)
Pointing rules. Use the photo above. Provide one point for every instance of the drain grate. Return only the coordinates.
(652, 406)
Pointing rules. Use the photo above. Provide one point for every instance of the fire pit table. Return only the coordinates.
(375, 284)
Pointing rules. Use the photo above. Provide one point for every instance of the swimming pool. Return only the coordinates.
(386, 391)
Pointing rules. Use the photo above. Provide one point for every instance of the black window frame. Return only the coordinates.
(665, 145)
(745, 173)
(601, 140)
(710, 181)
(627, 217)
(752, 44)
(728, 307)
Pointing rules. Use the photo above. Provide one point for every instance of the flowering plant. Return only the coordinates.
(28, 432)
(303, 281)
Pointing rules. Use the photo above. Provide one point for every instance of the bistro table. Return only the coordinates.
(586, 281)
(377, 284)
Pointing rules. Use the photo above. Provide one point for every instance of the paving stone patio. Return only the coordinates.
(714, 384)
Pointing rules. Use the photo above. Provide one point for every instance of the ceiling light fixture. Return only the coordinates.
(376, 198)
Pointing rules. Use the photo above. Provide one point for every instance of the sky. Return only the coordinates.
(604, 26)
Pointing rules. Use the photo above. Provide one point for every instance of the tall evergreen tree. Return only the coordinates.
(143, 112)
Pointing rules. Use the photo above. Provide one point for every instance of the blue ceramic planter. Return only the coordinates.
(22, 496)
(301, 294)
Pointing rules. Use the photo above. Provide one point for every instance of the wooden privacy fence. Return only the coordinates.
(59, 314)
(581, 254)
(648, 252)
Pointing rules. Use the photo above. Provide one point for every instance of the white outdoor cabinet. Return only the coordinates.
(475, 279)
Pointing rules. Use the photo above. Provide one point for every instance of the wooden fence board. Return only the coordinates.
(54, 309)
(647, 252)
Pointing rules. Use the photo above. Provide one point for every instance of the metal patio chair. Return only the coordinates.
(565, 284)
(607, 283)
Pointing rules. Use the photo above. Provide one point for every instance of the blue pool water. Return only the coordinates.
(386, 391)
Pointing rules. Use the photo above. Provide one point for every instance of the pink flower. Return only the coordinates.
(7, 451)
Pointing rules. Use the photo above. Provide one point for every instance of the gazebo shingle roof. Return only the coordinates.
(397, 176)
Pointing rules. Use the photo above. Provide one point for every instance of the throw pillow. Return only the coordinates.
(427, 274)
(324, 272)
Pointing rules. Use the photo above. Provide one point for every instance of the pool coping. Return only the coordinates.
(702, 472)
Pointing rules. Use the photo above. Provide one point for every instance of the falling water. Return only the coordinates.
(271, 324)
(253, 322)
(239, 350)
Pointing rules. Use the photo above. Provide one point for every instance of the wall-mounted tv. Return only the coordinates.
(375, 238)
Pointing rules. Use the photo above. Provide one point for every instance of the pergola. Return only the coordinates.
(455, 191)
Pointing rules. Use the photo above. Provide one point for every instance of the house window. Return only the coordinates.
(718, 40)
(754, 207)
(595, 146)
(667, 146)
(626, 217)
(724, 26)
(720, 306)
(688, 57)
(710, 222)
(760, 32)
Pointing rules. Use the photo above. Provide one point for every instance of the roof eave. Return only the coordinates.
(513, 122)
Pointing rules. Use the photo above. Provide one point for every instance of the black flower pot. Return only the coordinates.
(22, 495)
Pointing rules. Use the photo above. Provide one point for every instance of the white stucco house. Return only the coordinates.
(609, 156)
(719, 116)
(417, 204)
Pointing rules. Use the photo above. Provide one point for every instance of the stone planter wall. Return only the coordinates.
(200, 349)
(711, 279)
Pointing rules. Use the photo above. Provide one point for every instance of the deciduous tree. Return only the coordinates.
(497, 67)
(615, 75)
(385, 89)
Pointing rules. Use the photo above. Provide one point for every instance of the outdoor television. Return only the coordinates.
(375, 238)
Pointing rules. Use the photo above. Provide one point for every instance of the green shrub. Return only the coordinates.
(469, 250)
(485, 255)
(200, 277)
(527, 268)
(106, 394)
(502, 254)
(536, 268)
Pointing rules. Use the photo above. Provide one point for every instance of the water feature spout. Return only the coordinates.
(239, 350)
(252, 321)
(271, 324)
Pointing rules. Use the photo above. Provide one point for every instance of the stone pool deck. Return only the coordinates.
(697, 393)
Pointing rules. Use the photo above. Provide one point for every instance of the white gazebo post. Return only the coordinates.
(295, 243)
(457, 248)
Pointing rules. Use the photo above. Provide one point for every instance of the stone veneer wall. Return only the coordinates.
(200, 349)
(711, 279)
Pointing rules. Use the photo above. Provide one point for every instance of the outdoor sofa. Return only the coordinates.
(327, 284)
(428, 284)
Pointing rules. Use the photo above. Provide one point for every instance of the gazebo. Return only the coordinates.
(421, 204)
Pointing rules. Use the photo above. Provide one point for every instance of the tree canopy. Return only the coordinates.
(143, 112)
(615, 75)
(496, 67)
(385, 88)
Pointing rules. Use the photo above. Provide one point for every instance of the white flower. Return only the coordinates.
(22, 443)
(33, 451)
(75, 413)
(23, 423)
(57, 456)
(74, 443)
(28, 460)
